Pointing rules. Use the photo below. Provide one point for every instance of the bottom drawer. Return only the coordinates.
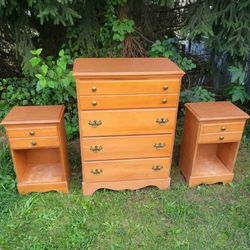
(220, 137)
(97, 171)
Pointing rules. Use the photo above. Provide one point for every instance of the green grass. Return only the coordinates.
(204, 217)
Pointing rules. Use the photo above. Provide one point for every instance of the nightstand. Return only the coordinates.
(38, 147)
(210, 143)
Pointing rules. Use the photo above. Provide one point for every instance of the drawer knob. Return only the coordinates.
(164, 100)
(159, 145)
(96, 171)
(32, 133)
(95, 148)
(221, 138)
(157, 168)
(162, 121)
(95, 123)
(94, 103)
(165, 87)
(223, 128)
(33, 143)
(94, 89)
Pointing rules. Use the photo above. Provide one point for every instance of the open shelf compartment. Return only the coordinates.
(38, 166)
(215, 160)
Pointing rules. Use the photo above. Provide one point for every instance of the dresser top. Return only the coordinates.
(89, 67)
(34, 114)
(212, 111)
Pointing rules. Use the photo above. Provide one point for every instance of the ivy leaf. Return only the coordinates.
(61, 52)
(44, 69)
(35, 61)
(36, 52)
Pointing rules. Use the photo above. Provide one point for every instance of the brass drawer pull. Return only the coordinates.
(164, 100)
(165, 87)
(95, 123)
(221, 138)
(95, 148)
(96, 171)
(94, 89)
(162, 121)
(157, 168)
(32, 133)
(223, 128)
(94, 103)
(159, 145)
(33, 143)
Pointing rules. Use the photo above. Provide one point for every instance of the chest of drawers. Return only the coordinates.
(127, 111)
(38, 146)
(210, 143)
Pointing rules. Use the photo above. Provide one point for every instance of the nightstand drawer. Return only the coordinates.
(220, 137)
(30, 132)
(126, 147)
(36, 142)
(122, 87)
(98, 171)
(127, 122)
(127, 101)
(222, 127)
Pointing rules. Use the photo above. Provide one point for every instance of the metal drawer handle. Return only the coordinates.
(94, 89)
(164, 100)
(95, 123)
(159, 145)
(32, 133)
(94, 103)
(96, 171)
(162, 121)
(223, 128)
(95, 148)
(165, 87)
(157, 168)
(221, 138)
(33, 143)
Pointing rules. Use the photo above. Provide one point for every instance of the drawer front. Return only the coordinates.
(127, 122)
(31, 132)
(122, 87)
(125, 147)
(222, 127)
(97, 171)
(127, 101)
(220, 137)
(34, 142)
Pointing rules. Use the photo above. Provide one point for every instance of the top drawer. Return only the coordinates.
(222, 127)
(31, 131)
(116, 87)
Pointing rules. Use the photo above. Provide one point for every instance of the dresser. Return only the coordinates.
(127, 111)
(210, 142)
(38, 146)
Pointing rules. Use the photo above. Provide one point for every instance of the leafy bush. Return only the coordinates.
(169, 48)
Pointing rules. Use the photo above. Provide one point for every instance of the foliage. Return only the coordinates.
(169, 48)
(236, 90)
(196, 94)
(225, 24)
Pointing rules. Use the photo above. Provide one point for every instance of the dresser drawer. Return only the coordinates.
(127, 122)
(128, 101)
(98, 171)
(122, 87)
(125, 147)
(220, 137)
(32, 131)
(222, 127)
(35, 142)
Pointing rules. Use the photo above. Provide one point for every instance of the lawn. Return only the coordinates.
(204, 217)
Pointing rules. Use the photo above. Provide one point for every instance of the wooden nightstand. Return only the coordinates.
(210, 143)
(38, 147)
(127, 114)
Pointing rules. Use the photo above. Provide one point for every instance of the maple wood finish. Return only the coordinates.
(127, 115)
(210, 142)
(38, 147)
